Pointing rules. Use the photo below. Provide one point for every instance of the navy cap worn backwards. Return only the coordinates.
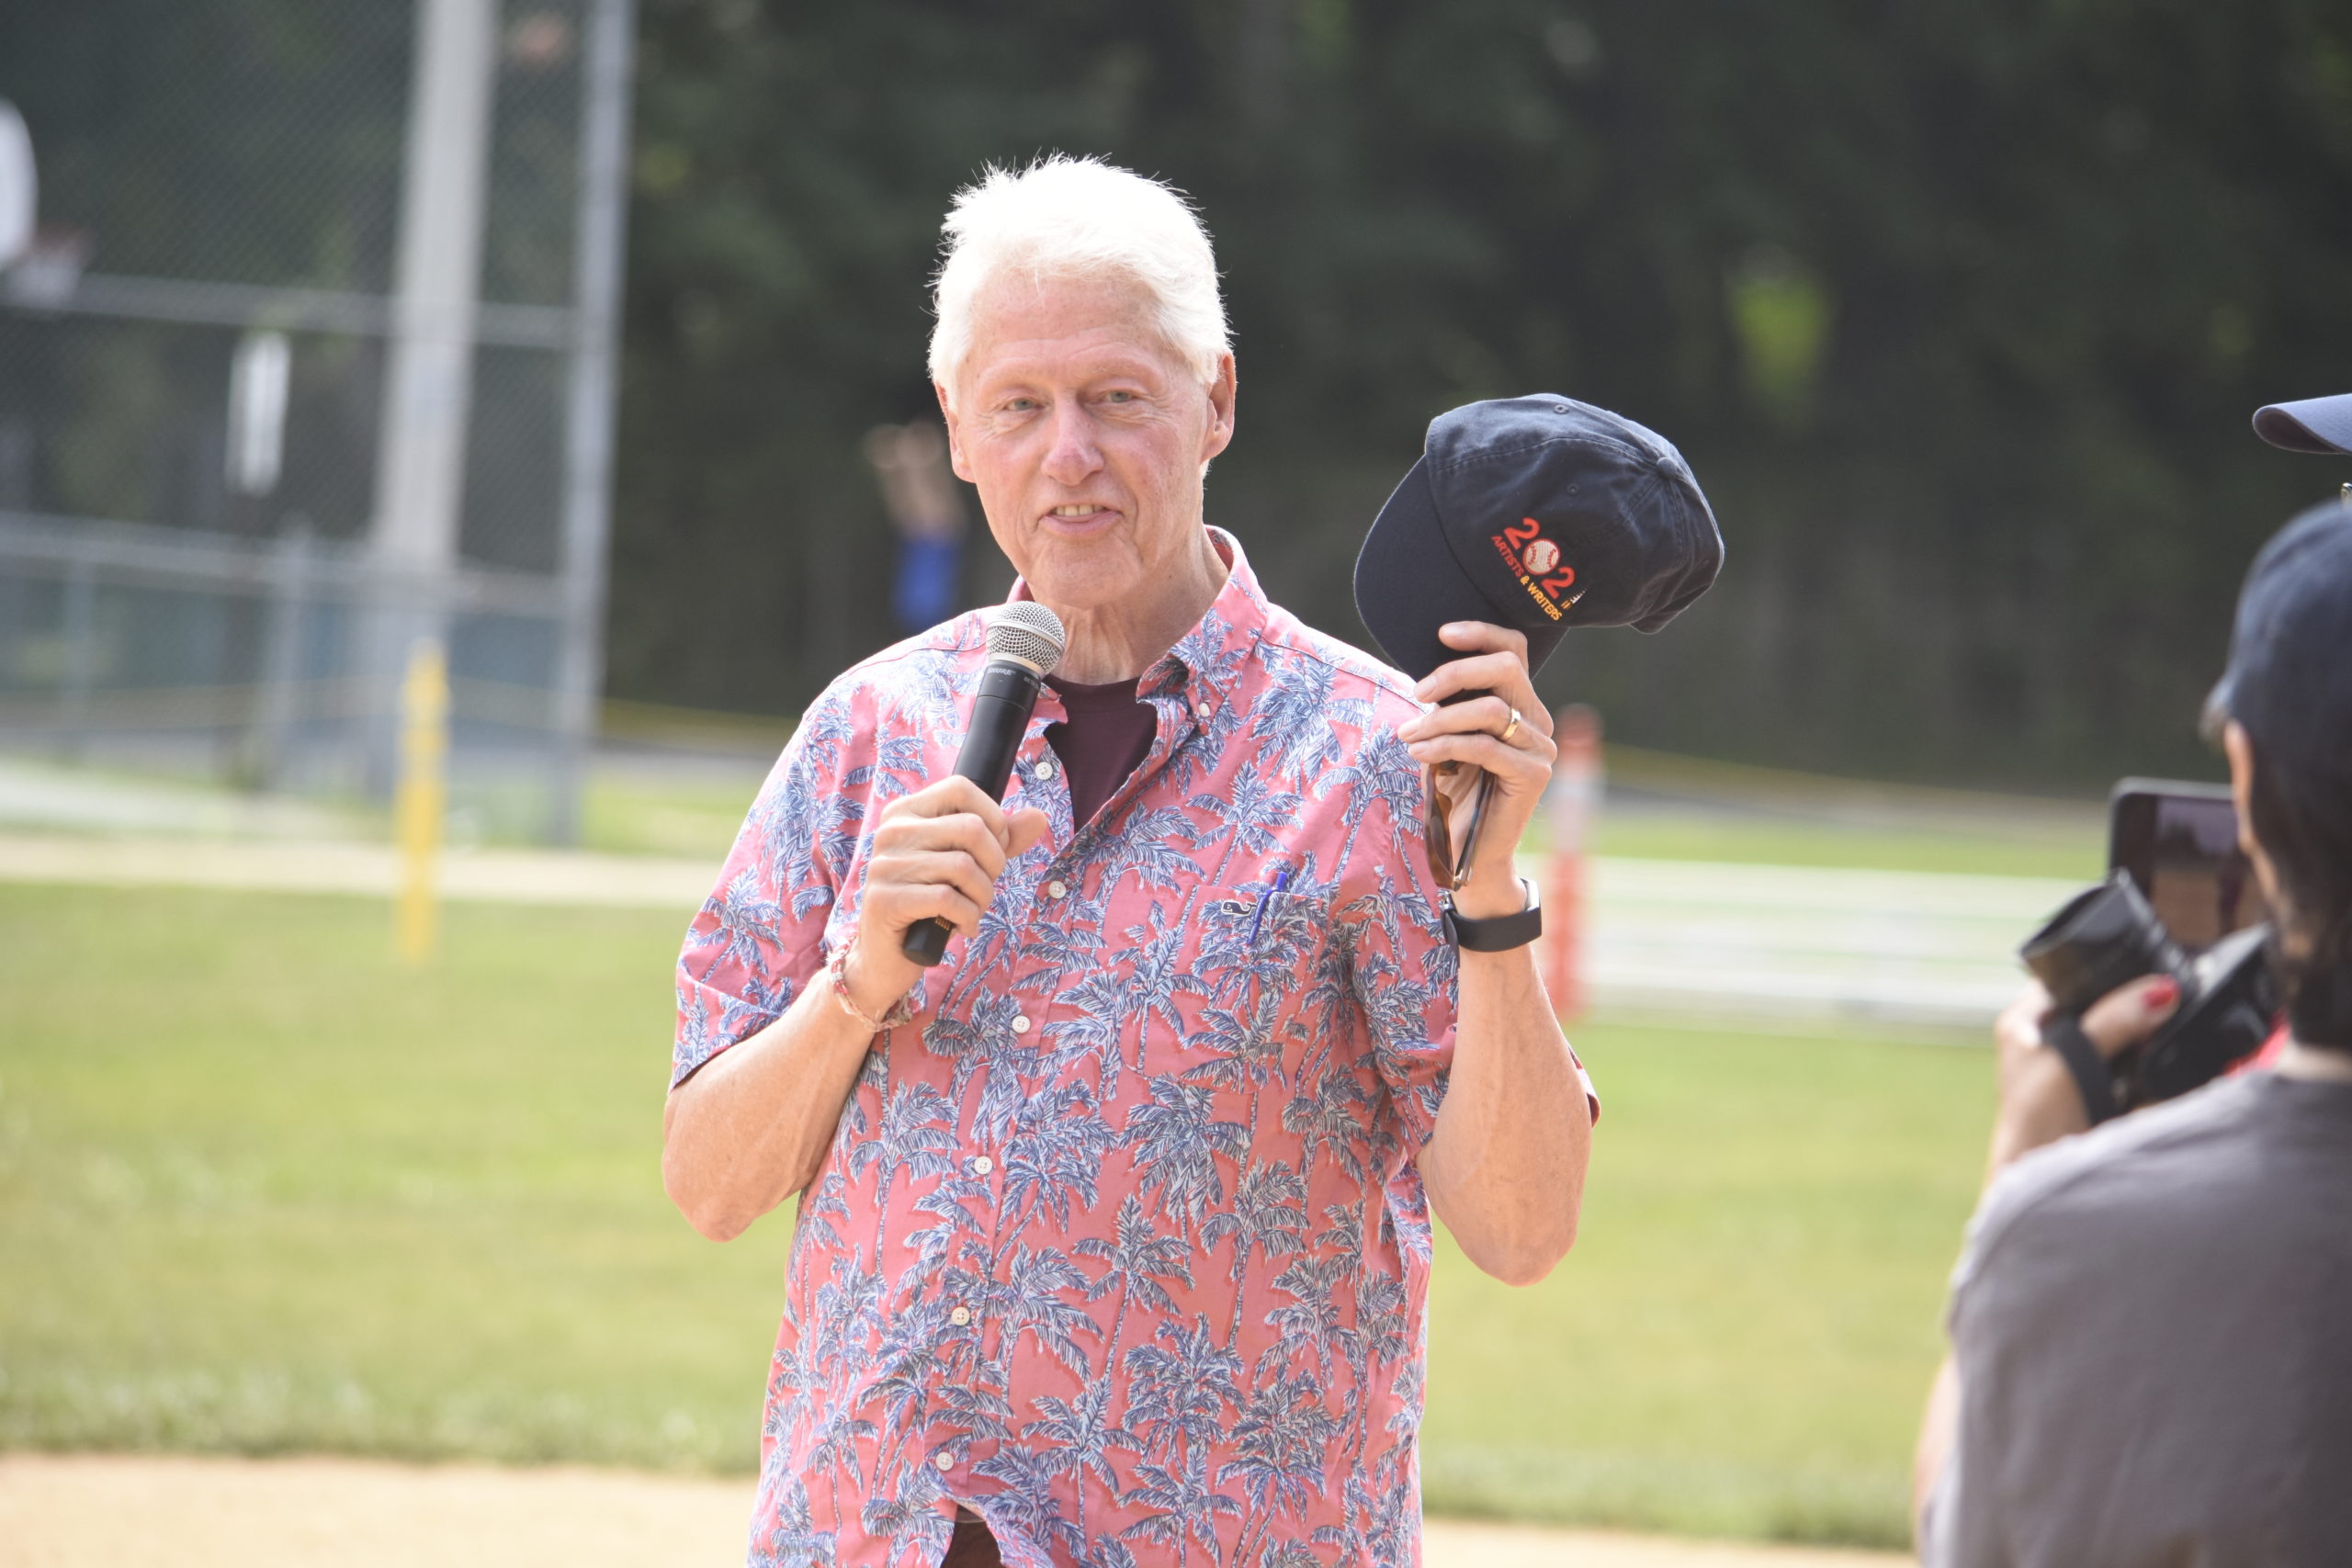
(1541, 513)
(2289, 680)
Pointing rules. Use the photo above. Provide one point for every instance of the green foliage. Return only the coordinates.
(263, 1191)
(1981, 452)
(1781, 314)
(1959, 311)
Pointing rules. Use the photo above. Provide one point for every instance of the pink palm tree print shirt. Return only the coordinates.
(1119, 1244)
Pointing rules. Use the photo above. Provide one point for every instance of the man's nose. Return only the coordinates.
(1074, 456)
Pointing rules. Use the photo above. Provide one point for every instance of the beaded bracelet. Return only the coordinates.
(837, 970)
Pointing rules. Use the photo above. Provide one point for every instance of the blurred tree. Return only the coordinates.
(1959, 312)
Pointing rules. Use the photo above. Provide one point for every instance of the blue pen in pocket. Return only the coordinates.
(1282, 880)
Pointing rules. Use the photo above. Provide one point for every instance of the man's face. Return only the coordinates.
(1086, 435)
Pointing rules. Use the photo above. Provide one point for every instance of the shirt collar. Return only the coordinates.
(1213, 653)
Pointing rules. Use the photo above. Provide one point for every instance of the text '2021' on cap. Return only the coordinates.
(1539, 513)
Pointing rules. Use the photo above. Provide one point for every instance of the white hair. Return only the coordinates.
(1079, 218)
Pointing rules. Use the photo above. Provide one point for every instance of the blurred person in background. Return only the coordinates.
(1113, 1238)
(2152, 1322)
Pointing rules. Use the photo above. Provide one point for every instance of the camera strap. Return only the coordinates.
(2062, 1032)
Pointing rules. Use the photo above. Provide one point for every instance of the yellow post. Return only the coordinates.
(423, 796)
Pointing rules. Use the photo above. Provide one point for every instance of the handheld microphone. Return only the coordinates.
(1025, 642)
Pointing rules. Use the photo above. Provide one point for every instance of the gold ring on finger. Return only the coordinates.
(1510, 729)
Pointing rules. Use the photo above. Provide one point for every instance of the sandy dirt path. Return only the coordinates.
(106, 1511)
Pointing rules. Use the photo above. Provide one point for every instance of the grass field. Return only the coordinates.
(262, 1192)
(636, 813)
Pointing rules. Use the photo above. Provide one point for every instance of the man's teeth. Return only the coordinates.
(1076, 511)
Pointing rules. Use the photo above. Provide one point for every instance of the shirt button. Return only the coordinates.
(982, 1165)
(1021, 1024)
(960, 1317)
(1202, 710)
(944, 1462)
(1044, 770)
(1055, 888)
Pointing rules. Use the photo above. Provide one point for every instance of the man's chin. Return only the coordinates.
(1080, 585)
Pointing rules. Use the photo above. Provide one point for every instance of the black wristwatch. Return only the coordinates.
(1500, 934)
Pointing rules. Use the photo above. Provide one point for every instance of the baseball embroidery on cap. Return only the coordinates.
(1535, 562)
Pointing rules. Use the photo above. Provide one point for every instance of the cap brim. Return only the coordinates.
(1408, 584)
(2315, 424)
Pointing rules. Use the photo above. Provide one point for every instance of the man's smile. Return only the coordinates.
(1079, 519)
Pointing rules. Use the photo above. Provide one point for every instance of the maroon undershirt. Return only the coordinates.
(1107, 735)
(971, 1546)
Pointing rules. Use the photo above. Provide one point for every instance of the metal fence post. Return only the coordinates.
(588, 415)
(428, 385)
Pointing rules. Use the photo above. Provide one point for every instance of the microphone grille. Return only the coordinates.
(1027, 631)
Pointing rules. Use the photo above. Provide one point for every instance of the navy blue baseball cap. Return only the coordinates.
(2289, 677)
(1541, 513)
(2315, 424)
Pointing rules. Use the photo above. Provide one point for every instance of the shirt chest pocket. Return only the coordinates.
(1275, 936)
(1253, 985)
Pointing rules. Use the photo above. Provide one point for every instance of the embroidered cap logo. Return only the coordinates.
(1534, 561)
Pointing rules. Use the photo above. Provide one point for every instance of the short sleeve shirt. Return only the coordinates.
(1120, 1244)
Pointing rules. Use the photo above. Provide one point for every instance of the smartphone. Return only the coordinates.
(2180, 842)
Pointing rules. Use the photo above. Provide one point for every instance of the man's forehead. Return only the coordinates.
(1088, 326)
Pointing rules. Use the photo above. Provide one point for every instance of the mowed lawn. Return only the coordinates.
(261, 1191)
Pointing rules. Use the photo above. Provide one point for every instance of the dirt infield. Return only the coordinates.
(103, 1511)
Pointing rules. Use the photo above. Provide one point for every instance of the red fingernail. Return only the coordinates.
(2163, 993)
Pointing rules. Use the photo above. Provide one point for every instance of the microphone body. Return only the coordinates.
(1008, 695)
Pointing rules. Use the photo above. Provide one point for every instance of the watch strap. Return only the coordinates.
(1501, 933)
(2093, 1080)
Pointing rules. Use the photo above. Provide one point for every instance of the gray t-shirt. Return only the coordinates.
(2153, 1328)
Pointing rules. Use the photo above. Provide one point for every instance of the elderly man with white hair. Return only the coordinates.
(1112, 1241)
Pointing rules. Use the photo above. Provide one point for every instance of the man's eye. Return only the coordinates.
(1020, 406)
(1119, 397)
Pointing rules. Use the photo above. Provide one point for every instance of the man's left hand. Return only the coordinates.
(1480, 733)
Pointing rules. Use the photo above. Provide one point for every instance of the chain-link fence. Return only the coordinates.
(310, 357)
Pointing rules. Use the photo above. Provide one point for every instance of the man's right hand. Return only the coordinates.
(937, 854)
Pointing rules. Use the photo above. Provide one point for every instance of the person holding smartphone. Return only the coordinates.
(2152, 1323)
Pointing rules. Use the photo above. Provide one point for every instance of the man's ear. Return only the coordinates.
(1221, 392)
(955, 436)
